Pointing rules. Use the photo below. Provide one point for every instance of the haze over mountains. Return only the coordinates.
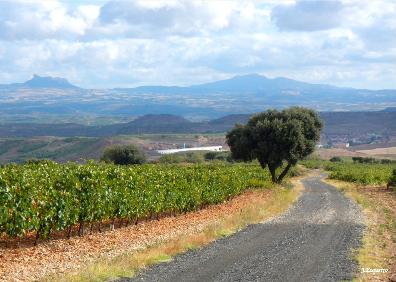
(240, 94)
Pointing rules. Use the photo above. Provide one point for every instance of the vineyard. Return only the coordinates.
(366, 174)
(46, 197)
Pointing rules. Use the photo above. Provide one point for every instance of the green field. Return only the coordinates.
(361, 173)
(46, 196)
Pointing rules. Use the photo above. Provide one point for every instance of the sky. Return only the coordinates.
(104, 44)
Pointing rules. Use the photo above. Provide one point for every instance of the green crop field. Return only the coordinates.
(46, 196)
(361, 173)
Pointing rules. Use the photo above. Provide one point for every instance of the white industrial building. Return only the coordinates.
(208, 148)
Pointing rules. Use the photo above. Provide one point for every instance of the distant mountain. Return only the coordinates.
(43, 82)
(236, 95)
(48, 82)
(390, 109)
(279, 92)
(251, 83)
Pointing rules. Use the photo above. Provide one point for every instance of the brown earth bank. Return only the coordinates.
(22, 261)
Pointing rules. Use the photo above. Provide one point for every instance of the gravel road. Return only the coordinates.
(312, 241)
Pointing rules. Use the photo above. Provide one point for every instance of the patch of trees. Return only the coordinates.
(220, 156)
(196, 157)
(190, 157)
(369, 160)
(277, 139)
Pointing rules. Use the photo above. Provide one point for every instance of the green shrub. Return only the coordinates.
(336, 159)
(367, 160)
(124, 155)
(221, 156)
(209, 156)
(387, 161)
(194, 157)
(392, 179)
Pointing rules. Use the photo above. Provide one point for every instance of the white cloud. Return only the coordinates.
(308, 15)
(44, 19)
(124, 43)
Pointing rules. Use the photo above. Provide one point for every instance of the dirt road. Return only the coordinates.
(311, 242)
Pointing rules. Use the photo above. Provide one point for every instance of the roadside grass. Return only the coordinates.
(129, 264)
(379, 239)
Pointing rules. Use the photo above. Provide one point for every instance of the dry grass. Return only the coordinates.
(333, 152)
(379, 240)
(257, 207)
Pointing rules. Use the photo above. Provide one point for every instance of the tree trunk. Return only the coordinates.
(112, 225)
(69, 230)
(273, 175)
(37, 237)
(284, 172)
(81, 229)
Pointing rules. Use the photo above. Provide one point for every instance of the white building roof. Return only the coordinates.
(208, 148)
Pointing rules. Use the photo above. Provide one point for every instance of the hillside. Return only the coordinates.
(335, 123)
(354, 123)
(73, 142)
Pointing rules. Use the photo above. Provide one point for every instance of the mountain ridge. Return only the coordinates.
(48, 82)
(38, 81)
(52, 81)
(239, 94)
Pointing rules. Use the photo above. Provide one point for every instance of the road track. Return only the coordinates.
(312, 241)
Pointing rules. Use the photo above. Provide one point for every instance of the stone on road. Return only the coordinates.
(312, 241)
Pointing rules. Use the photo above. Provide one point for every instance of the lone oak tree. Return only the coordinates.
(276, 138)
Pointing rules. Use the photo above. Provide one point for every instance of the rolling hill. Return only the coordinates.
(335, 123)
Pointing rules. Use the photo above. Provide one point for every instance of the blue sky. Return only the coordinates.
(101, 44)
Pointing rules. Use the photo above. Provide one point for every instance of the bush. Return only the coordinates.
(364, 160)
(336, 159)
(194, 157)
(124, 155)
(210, 156)
(221, 156)
(392, 179)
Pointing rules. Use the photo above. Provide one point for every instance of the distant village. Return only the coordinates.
(345, 141)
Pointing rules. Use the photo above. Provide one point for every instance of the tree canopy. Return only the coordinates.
(276, 138)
